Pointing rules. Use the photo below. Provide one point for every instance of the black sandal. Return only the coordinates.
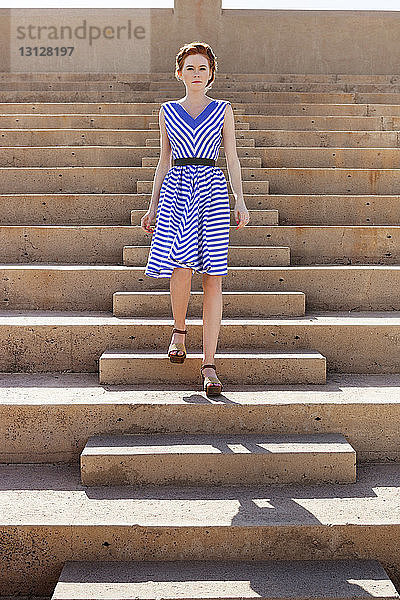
(211, 384)
(175, 346)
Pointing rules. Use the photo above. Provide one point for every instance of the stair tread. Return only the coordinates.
(52, 494)
(134, 444)
(190, 579)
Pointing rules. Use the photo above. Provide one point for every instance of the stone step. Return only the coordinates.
(238, 256)
(240, 143)
(237, 97)
(235, 304)
(331, 209)
(301, 245)
(325, 579)
(222, 76)
(257, 217)
(86, 156)
(242, 459)
(48, 417)
(251, 108)
(90, 287)
(273, 157)
(268, 139)
(308, 180)
(174, 87)
(253, 185)
(135, 96)
(110, 179)
(47, 504)
(361, 158)
(245, 161)
(234, 87)
(318, 122)
(98, 209)
(75, 340)
(125, 366)
(116, 209)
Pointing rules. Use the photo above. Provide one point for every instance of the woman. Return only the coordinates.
(191, 204)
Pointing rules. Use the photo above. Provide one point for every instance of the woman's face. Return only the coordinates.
(195, 72)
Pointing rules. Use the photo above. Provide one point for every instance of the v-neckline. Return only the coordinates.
(188, 116)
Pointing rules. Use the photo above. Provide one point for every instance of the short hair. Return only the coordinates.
(197, 48)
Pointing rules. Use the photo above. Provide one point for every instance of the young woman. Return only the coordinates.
(191, 204)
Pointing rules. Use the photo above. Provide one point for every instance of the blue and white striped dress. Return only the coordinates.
(193, 212)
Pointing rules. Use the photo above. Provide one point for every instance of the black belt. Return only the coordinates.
(193, 161)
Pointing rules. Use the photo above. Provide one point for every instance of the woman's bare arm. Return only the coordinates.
(164, 162)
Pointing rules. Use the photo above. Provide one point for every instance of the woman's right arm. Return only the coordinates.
(164, 162)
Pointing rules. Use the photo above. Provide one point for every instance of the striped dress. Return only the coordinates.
(193, 212)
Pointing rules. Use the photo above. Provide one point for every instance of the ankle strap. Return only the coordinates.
(179, 330)
(204, 366)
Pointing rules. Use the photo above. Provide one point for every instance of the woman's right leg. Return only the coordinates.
(180, 287)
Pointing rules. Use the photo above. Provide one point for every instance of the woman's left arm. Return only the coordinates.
(233, 165)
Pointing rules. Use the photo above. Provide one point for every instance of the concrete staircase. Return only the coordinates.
(120, 478)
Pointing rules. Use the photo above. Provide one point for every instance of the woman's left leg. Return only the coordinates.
(212, 315)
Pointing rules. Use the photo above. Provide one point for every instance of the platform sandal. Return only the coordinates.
(211, 384)
(175, 346)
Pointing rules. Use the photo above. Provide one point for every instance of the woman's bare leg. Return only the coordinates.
(212, 315)
(180, 286)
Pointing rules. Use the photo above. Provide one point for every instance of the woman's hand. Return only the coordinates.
(145, 221)
(241, 214)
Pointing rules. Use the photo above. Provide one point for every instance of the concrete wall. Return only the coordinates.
(245, 41)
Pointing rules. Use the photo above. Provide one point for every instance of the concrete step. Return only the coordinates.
(105, 244)
(307, 180)
(239, 256)
(291, 138)
(245, 161)
(222, 76)
(253, 185)
(219, 86)
(235, 304)
(156, 96)
(47, 504)
(154, 142)
(85, 156)
(48, 341)
(240, 107)
(245, 368)
(90, 287)
(331, 209)
(318, 122)
(273, 157)
(328, 244)
(244, 459)
(229, 579)
(116, 209)
(110, 179)
(118, 244)
(48, 417)
(101, 209)
(257, 217)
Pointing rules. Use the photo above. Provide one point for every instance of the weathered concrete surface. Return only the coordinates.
(48, 517)
(254, 367)
(244, 459)
(353, 579)
(91, 287)
(49, 416)
(235, 304)
(74, 341)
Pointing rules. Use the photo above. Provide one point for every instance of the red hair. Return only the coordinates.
(197, 48)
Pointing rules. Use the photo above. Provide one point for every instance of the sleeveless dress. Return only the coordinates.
(193, 212)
